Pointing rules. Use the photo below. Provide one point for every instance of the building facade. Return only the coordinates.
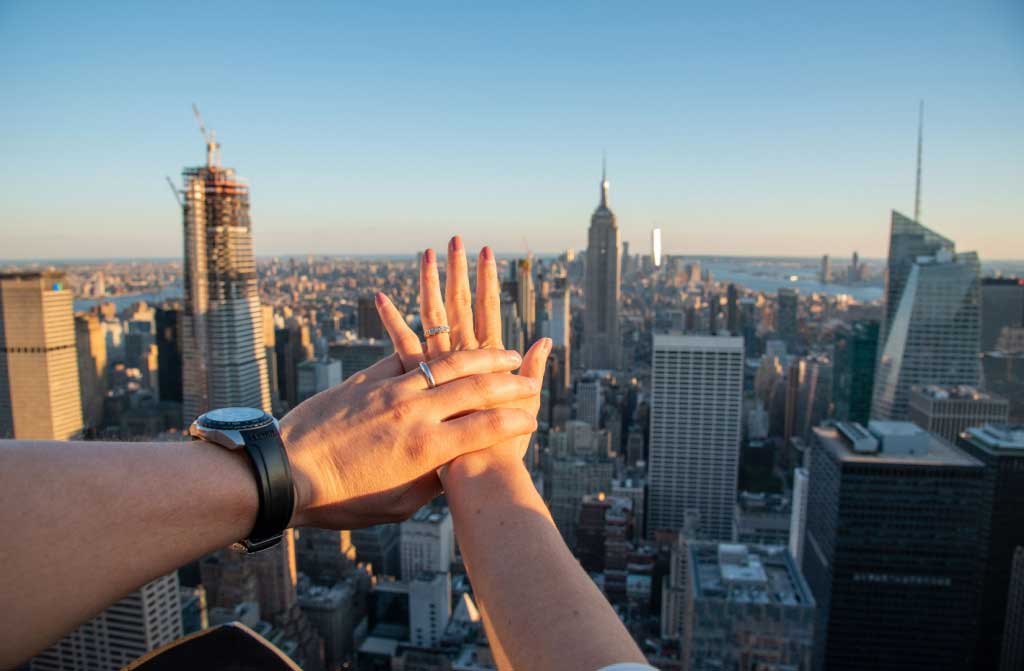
(747, 607)
(146, 619)
(949, 411)
(1001, 449)
(39, 384)
(695, 427)
(893, 548)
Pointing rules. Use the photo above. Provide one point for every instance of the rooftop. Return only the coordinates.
(753, 574)
(887, 435)
(958, 392)
(1008, 438)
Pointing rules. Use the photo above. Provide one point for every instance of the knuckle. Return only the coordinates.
(497, 421)
(401, 410)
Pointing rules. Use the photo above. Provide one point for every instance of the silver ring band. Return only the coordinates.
(425, 369)
(436, 330)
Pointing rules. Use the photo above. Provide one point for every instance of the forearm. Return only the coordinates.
(546, 611)
(87, 533)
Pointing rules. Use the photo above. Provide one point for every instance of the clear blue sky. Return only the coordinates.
(746, 128)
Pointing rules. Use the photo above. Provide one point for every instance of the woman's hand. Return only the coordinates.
(366, 452)
(469, 330)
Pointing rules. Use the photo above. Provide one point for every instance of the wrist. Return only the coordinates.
(495, 465)
(301, 471)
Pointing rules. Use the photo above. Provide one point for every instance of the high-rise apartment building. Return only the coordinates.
(948, 411)
(931, 330)
(560, 328)
(91, 346)
(146, 619)
(853, 378)
(601, 339)
(589, 399)
(893, 548)
(1001, 449)
(223, 358)
(748, 607)
(1002, 306)
(695, 426)
(427, 542)
(39, 385)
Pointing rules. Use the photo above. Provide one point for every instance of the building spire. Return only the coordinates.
(604, 180)
(920, 141)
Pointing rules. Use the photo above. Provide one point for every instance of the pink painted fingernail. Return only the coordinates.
(380, 298)
(428, 256)
(487, 254)
(455, 244)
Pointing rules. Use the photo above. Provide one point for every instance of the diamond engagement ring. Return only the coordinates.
(425, 369)
(436, 330)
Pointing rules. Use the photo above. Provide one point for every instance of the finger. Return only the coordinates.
(458, 300)
(476, 392)
(388, 367)
(455, 365)
(483, 429)
(488, 300)
(407, 343)
(431, 307)
(536, 359)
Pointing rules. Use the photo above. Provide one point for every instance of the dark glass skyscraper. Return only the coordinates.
(893, 548)
(168, 347)
(856, 350)
(1001, 449)
(1002, 306)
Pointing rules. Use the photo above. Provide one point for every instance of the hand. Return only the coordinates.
(468, 331)
(366, 452)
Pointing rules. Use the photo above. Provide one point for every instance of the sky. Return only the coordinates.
(738, 128)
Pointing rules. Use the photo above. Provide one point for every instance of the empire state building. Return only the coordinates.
(601, 340)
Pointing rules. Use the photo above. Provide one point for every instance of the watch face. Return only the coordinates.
(234, 418)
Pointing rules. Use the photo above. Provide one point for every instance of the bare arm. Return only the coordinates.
(87, 522)
(544, 609)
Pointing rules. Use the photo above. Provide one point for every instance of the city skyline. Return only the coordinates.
(827, 136)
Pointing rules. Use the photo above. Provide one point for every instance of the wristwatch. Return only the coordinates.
(256, 432)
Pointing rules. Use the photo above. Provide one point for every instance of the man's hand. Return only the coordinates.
(366, 452)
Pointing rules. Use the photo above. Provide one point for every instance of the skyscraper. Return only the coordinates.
(223, 358)
(168, 344)
(786, 324)
(656, 247)
(696, 418)
(1001, 449)
(1012, 656)
(931, 330)
(39, 386)
(1002, 306)
(92, 366)
(893, 548)
(369, 323)
(601, 340)
(526, 298)
(146, 619)
(427, 542)
(855, 354)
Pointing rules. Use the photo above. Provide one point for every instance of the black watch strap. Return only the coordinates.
(274, 484)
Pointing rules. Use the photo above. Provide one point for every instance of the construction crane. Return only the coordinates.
(212, 148)
(174, 190)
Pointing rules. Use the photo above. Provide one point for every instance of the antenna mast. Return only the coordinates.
(920, 141)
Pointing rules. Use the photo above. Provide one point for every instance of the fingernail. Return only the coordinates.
(455, 244)
(428, 256)
(381, 298)
(548, 342)
(513, 355)
(487, 254)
